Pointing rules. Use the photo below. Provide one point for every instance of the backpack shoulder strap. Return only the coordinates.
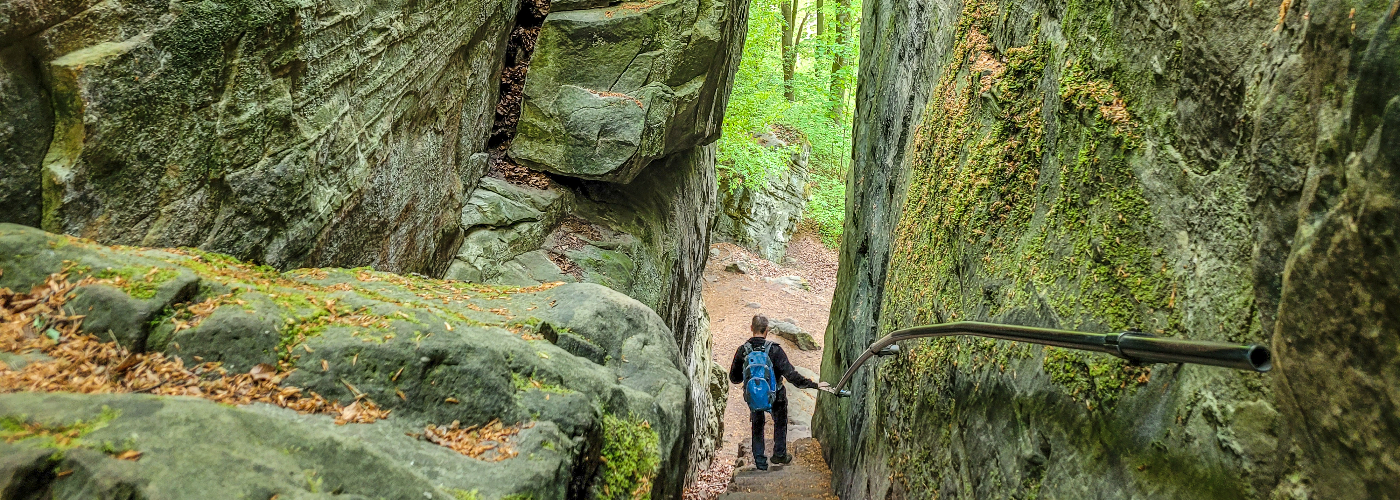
(767, 346)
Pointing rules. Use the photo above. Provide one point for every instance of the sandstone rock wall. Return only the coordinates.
(290, 133)
(764, 219)
(368, 133)
(613, 88)
(621, 107)
(1215, 170)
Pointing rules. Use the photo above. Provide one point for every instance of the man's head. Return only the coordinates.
(759, 325)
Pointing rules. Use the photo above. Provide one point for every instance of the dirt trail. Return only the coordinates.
(729, 300)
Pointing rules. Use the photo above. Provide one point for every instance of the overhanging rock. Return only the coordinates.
(611, 89)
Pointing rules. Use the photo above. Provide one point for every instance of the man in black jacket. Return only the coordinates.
(784, 370)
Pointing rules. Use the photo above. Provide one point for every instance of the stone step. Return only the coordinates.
(806, 477)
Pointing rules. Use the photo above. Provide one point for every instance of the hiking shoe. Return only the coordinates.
(782, 459)
(762, 464)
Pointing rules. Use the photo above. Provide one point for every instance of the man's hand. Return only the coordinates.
(823, 386)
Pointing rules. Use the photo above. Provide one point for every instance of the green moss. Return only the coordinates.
(58, 436)
(215, 265)
(631, 458)
(75, 269)
(1094, 378)
(985, 231)
(136, 281)
(1000, 219)
(464, 494)
(523, 383)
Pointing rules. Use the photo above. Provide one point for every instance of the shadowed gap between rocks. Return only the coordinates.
(519, 51)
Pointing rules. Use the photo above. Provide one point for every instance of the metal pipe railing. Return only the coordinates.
(1133, 346)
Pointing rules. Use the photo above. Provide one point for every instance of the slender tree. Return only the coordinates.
(838, 60)
(790, 34)
(792, 37)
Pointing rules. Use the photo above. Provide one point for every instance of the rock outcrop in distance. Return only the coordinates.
(1208, 170)
(496, 141)
(580, 386)
(764, 218)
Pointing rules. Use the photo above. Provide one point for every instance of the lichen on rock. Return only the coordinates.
(434, 354)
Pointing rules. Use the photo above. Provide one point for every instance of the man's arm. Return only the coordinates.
(785, 369)
(736, 369)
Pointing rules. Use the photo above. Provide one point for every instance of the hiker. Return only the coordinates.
(758, 364)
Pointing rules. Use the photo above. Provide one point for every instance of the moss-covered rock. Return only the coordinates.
(1102, 166)
(611, 89)
(764, 218)
(431, 352)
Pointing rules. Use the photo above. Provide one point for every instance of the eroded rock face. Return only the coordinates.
(1209, 172)
(355, 134)
(764, 219)
(432, 352)
(285, 132)
(611, 89)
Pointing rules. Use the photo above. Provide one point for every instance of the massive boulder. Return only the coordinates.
(611, 89)
(621, 107)
(1207, 170)
(647, 238)
(286, 132)
(578, 365)
(763, 215)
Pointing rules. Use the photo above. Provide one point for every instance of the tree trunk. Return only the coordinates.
(789, 11)
(841, 48)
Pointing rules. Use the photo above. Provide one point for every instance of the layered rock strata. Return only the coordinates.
(284, 132)
(621, 106)
(363, 133)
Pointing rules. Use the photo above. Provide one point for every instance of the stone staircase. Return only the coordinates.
(807, 477)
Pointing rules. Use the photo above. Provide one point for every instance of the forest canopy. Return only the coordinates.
(797, 76)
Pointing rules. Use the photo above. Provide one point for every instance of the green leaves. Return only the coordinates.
(757, 103)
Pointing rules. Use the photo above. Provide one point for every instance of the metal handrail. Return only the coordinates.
(1134, 346)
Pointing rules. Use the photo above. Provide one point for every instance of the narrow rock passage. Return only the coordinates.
(730, 300)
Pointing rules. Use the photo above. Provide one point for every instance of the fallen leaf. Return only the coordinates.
(325, 366)
(131, 455)
(452, 400)
(401, 395)
(262, 371)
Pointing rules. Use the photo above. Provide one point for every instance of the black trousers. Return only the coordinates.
(780, 421)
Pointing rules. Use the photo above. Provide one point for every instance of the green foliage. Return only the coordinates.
(757, 106)
(826, 208)
(631, 458)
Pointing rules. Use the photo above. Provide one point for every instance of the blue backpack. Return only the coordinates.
(759, 380)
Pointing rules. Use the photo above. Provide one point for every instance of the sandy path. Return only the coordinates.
(727, 296)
